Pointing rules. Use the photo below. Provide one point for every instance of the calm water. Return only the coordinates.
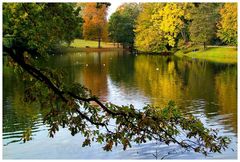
(208, 90)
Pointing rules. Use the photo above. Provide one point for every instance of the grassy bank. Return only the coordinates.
(215, 54)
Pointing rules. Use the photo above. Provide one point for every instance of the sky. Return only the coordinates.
(113, 7)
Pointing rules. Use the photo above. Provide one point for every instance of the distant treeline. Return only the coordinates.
(158, 27)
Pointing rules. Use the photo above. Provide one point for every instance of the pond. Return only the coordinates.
(206, 89)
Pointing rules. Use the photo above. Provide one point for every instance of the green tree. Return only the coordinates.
(227, 26)
(203, 25)
(26, 33)
(122, 24)
(25, 25)
(117, 25)
(120, 29)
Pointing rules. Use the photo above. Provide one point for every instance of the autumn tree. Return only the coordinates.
(161, 25)
(29, 29)
(227, 26)
(95, 22)
(122, 24)
(203, 26)
(148, 36)
(172, 20)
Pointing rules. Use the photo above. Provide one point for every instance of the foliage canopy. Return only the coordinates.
(33, 25)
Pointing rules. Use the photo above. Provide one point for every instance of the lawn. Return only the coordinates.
(215, 54)
(80, 43)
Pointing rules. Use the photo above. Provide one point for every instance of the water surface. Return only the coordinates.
(206, 89)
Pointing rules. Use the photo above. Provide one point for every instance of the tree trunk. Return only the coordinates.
(99, 38)
(132, 48)
(204, 45)
(183, 33)
(99, 42)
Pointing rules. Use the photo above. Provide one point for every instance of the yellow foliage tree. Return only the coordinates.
(171, 20)
(159, 25)
(227, 26)
(148, 37)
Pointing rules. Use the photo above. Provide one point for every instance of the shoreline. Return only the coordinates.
(219, 54)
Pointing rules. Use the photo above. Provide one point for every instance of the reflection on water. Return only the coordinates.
(185, 81)
(208, 90)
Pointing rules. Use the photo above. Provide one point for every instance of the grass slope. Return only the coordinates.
(215, 54)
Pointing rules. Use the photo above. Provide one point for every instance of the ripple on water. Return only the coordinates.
(14, 136)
